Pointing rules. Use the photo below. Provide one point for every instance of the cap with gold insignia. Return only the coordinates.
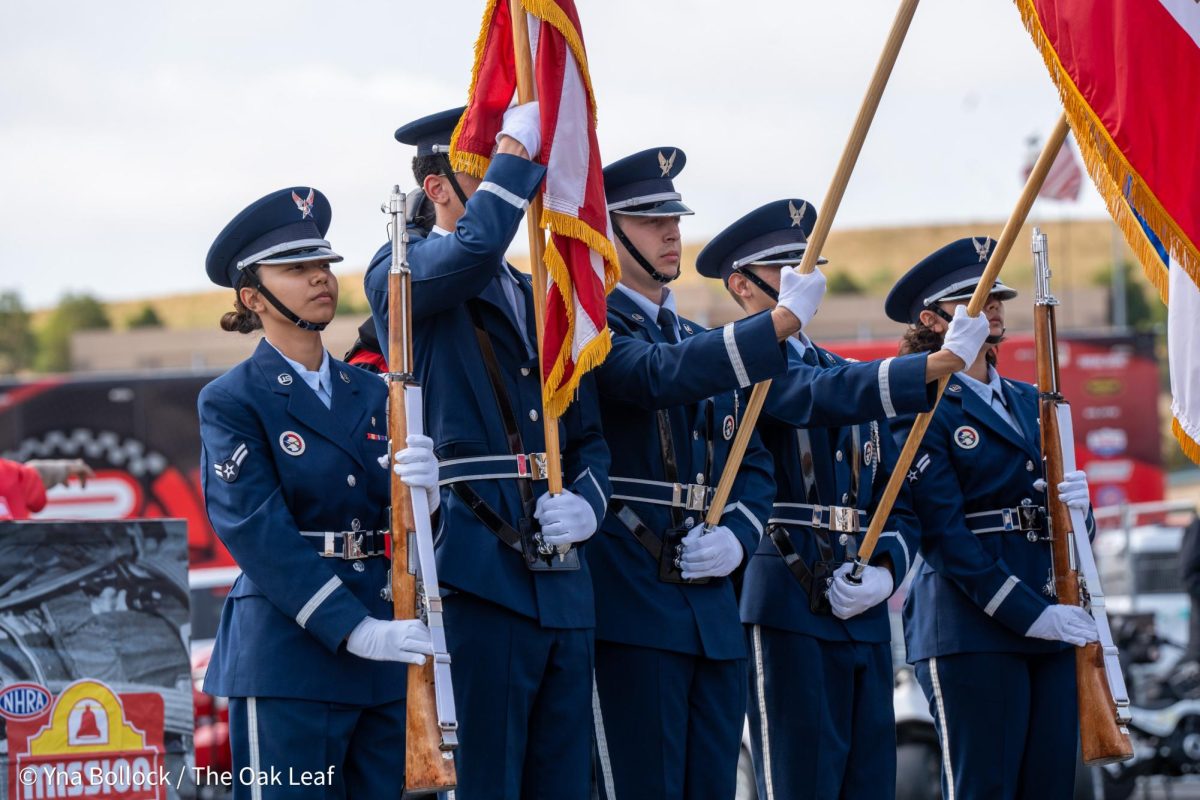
(773, 235)
(951, 273)
(285, 227)
(642, 184)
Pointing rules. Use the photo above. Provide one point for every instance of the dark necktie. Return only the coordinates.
(666, 322)
(810, 356)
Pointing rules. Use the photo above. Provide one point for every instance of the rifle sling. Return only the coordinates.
(482, 511)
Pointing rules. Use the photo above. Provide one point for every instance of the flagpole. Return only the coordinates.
(1033, 185)
(527, 93)
(827, 211)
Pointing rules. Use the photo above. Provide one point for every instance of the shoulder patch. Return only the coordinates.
(229, 469)
(966, 437)
(727, 427)
(919, 468)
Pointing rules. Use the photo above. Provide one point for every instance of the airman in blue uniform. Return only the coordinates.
(294, 470)
(821, 667)
(990, 644)
(671, 651)
(519, 617)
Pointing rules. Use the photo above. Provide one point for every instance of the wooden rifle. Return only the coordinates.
(431, 722)
(1103, 700)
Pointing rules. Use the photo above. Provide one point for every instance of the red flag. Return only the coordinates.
(581, 261)
(1128, 72)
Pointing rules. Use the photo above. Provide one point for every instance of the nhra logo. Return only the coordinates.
(23, 701)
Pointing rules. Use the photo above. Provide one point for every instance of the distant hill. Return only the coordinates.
(1081, 253)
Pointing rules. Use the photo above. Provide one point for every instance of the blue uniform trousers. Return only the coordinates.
(822, 713)
(700, 705)
(524, 700)
(1007, 723)
(278, 741)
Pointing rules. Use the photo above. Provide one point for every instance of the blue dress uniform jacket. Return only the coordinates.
(274, 462)
(670, 658)
(980, 592)
(642, 374)
(820, 687)
(1003, 703)
(827, 400)
(461, 413)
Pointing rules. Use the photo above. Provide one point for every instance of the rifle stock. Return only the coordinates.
(1103, 735)
(428, 756)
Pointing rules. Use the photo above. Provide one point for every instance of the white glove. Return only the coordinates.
(566, 518)
(849, 600)
(801, 294)
(1070, 624)
(524, 123)
(966, 335)
(1074, 490)
(710, 555)
(404, 640)
(418, 468)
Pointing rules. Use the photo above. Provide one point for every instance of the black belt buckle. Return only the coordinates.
(668, 560)
(818, 590)
(541, 557)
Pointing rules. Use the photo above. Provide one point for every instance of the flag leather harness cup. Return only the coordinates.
(348, 545)
(667, 550)
(522, 467)
(848, 521)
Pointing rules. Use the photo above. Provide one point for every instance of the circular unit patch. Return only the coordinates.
(292, 443)
(966, 437)
(727, 427)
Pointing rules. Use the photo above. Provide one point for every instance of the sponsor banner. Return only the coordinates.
(90, 742)
(95, 676)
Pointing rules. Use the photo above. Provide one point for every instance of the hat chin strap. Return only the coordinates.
(941, 312)
(638, 257)
(448, 172)
(288, 314)
(759, 282)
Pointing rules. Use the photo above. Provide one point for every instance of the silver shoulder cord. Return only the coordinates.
(424, 566)
(1081, 547)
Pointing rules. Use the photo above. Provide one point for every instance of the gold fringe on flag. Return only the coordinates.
(557, 399)
(1104, 162)
(473, 163)
(1191, 448)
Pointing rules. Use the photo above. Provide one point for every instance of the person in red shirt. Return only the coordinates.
(23, 486)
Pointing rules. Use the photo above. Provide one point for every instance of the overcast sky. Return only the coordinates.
(132, 131)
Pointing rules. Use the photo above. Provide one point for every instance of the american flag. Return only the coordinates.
(580, 257)
(1065, 179)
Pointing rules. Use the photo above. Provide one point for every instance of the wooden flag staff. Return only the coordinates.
(828, 210)
(527, 93)
(1009, 235)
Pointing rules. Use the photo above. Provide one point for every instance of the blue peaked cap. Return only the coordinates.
(431, 131)
(642, 184)
(284, 227)
(951, 273)
(775, 234)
